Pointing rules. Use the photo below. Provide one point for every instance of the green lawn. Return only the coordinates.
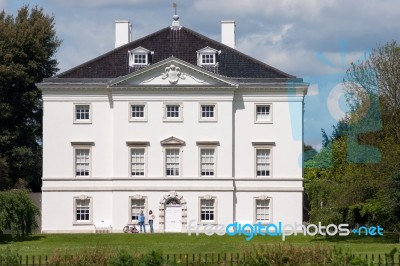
(182, 243)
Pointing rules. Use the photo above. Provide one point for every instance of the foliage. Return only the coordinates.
(123, 258)
(17, 212)
(294, 255)
(28, 44)
(355, 177)
(10, 258)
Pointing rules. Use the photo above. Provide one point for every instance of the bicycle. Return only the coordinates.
(130, 229)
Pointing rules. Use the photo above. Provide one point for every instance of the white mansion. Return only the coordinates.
(176, 123)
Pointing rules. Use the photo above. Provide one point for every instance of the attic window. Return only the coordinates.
(207, 57)
(139, 57)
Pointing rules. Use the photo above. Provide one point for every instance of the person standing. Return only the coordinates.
(151, 220)
(141, 222)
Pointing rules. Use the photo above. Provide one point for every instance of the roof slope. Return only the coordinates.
(181, 44)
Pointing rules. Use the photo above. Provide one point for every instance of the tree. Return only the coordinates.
(17, 212)
(28, 44)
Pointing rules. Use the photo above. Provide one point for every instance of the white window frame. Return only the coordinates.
(75, 210)
(214, 199)
(264, 198)
(206, 145)
(201, 149)
(210, 56)
(82, 146)
(131, 149)
(82, 121)
(140, 57)
(208, 119)
(266, 121)
(137, 119)
(207, 52)
(139, 51)
(257, 147)
(180, 160)
(173, 119)
(137, 145)
(137, 197)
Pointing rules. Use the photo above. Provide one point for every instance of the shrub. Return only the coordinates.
(123, 258)
(283, 254)
(10, 258)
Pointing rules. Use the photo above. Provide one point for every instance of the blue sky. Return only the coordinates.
(312, 39)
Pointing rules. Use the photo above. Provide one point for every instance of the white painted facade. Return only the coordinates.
(109, 135)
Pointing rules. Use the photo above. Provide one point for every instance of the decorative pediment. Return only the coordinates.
(207, 50)
(172, 72)
(172, 141)
(139, 50)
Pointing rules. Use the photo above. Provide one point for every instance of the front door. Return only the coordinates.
(173, 218)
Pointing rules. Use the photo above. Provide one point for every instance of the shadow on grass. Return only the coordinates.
(7, 239)
(388, 238)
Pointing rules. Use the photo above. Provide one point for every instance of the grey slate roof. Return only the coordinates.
(181, 44)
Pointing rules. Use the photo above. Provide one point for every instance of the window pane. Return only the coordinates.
(137, 111)
(137, 162)
(263, 162)
(207, 58)
(82, 112)
(262, 210)
(172, 162)
(207, 162)
(137, 205)
(207, 111)
(173, 111)
(82, 162)
(207, 209)
(140, 58)
(83, 210)
(263, 113)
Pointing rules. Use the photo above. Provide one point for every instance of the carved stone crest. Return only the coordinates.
(173, 73)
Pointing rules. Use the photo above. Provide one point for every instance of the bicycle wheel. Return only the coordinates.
(126, 229)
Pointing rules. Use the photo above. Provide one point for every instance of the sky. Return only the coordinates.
(312, 39)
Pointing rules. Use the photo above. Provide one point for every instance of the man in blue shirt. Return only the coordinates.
(141, 222)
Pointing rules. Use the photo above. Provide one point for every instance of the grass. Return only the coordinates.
(47, 244)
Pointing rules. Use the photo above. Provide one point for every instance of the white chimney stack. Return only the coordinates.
(228, 32)
(123, 32)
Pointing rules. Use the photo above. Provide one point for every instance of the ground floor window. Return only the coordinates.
(207, 210)
(263, 210)
(137, 205)
(83, 209)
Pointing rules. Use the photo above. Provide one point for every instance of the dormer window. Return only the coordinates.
(139, 57)
(207, 57)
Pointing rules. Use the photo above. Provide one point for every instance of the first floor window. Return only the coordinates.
(82, 210)
(137, 161)
(137, 205)
(207, 210)
(82, 162)
(263, 113)
(262, 210)
(207, 162)
(263, 162)
(82, 112)
(172, 162)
